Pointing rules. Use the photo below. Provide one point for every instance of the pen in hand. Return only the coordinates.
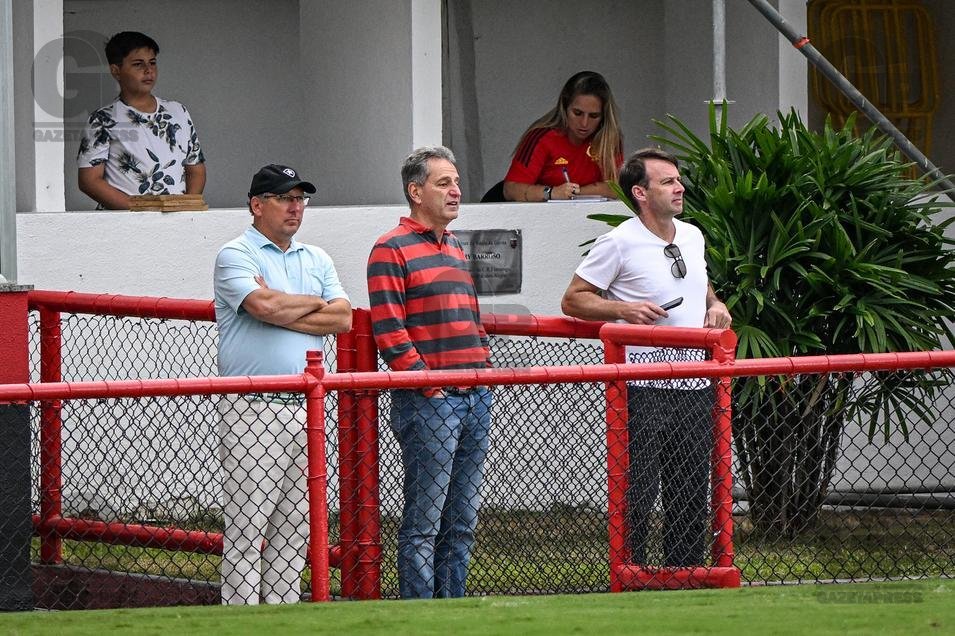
(567, 180)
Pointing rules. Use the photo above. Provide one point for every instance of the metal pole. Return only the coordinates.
(719, 57)
(8, 176)
(368, 568)
(618, 462)
(317, 478)
(801, 42)
(51, 437)
(348, 502)
(722, 461)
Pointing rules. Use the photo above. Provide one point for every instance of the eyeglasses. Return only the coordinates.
(287, 198)
(678, 269)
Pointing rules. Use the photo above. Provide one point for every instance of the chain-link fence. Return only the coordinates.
(827, 486)
(845, 476)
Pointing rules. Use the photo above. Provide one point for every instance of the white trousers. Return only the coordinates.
(263, 451)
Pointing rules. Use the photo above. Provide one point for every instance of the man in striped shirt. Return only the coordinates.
(425, 315)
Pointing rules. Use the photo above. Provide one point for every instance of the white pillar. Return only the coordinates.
(48, 126)
(8, 176)
(426, 91)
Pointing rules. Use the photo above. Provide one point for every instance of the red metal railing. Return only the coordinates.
(358, 382)
(50, 524)
(50, 304)
(314, 384)
(358, 553)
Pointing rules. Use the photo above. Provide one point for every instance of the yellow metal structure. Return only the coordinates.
(886, 48)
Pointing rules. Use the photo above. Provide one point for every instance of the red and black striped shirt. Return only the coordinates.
(424, 308)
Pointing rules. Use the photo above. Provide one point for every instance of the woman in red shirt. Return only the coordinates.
(572, 150)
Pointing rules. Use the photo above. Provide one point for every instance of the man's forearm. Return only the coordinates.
(589, 306)
(281, 309)
(335, 317)
(711, 296)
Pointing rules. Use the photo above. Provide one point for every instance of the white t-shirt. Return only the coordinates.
(629, 264)
(144, 153)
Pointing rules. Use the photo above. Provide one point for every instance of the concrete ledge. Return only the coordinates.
(63, 587)
(172, 253)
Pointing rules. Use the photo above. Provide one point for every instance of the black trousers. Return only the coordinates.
(671, 441)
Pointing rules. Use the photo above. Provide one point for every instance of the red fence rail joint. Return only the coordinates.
(624, 575)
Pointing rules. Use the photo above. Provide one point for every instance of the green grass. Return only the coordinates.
(565, 551)
(908, 607)
(874, 543)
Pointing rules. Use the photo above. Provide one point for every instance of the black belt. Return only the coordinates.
(277, 398)
(461, 390)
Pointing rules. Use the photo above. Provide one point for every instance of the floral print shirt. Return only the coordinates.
(144, 153)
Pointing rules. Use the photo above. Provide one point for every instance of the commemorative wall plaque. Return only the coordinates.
(495, 259)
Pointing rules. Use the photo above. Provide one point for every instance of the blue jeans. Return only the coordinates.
(444, 442)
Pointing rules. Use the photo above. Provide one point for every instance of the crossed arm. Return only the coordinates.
(298, 312)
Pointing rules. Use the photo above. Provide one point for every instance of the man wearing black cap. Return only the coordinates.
(274, 298)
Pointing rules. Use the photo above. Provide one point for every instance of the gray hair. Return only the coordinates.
(415, 167)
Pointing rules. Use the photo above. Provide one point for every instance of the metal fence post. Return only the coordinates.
(51, 432)
(366, 451)
(723, 352)
(618, 461)
(317, 477)
(16, 524)
(347, 473)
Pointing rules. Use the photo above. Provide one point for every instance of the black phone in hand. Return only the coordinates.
(670, 304)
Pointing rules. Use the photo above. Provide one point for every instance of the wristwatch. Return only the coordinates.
(547, 190)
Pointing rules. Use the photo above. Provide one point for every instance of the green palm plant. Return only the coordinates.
(818, 243)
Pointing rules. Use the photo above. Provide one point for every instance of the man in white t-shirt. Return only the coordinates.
(140, 143)
(629, 273)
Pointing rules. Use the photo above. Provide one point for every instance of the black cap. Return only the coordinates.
(277, 180)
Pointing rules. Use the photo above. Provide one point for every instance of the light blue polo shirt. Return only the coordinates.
(248, 346)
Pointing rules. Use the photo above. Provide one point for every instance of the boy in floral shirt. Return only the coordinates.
(140, 143)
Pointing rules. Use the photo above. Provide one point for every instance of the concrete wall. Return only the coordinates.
(238, 72)
(331, 87)
(172, 254)
(358, 87)
(508, 62)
